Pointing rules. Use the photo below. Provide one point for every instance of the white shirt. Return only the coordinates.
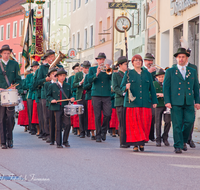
(60, 84)
(5, 62)
(53, 81)
(182, 69)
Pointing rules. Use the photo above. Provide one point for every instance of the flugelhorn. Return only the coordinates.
(60, 57)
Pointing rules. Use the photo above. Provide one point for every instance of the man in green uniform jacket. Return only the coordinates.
(80, 94)
(101, 92)
(119, 98)
(181, 90)
(11, 69)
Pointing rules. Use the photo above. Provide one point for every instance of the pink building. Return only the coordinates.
(11, 24)
(104, 24)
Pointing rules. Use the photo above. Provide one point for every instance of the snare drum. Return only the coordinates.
(73, 109)
(9, 98)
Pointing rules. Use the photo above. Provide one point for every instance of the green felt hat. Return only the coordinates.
(61, 71)
(149, 56)
(181, 51)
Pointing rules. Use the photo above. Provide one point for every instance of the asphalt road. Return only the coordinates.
(90, 165)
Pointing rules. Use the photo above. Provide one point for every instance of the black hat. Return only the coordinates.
(86, 64)
(160, 72)
(181, 51)
(76, 65)
(35, 63)
(51, 70)
(149, 56)
(101, 56)
(122, 60)
(48, 52)
(5, 47)
(61, 71)
(115, 67)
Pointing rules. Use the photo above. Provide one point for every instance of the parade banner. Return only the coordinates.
(39, 34)
(25, 25)
(32, 53)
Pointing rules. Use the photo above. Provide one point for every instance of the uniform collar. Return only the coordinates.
(60, 84)
(53, 81)
(5, 62)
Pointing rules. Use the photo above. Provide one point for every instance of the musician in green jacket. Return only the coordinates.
(101, 92)
(12, 71)
(80, 94)
(55, 93)
(190, 141)
(160, 111)
(181, 95)
(119, 98)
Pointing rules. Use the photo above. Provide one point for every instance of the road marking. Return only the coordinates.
(185, 166)
(166, 155)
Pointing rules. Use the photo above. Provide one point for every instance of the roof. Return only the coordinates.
(10, 6)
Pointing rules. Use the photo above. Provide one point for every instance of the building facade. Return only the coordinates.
(11, 26)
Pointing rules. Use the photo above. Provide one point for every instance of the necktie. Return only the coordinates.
(183, 72)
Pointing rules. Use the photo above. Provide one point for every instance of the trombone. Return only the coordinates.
(159, 67)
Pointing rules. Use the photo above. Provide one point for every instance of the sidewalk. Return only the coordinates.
(9, 181)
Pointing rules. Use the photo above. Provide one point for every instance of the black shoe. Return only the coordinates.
(4, 146)
(135, 149)
(141, 148)
(75, 133)
(124, 146)
(177, 150)
(88, 134)
(191, 143)
(33, 133)
(40, 136)
(82, 136)
(44, 138)
(103, 137)
(184, 147)
(153, 140)
(114, 136)
(166, 142)
(98, 140)
(51, 143)
(158, 144)
(48, 140)
(10, 144)
(93, 137)
(66, 144)
(59, 146)
(29, 132)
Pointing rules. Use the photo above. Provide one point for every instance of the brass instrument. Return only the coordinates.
(60, 57)
(159, 67)
(12, 57)
(104, 69)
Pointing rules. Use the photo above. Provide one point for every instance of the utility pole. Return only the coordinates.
(49, 24)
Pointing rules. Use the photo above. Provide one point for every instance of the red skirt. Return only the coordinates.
(138, 124)
(91, 117)
(35, 113)
(75, 120)
(114, 122)
(23, 116)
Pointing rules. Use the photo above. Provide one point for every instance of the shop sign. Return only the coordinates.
(179, 6)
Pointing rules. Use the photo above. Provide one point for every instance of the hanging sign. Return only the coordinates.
(122, 5)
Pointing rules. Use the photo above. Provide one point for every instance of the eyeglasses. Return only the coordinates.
(137, 60)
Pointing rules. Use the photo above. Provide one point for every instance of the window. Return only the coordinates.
(73, 41)
(74, 5)
(8, 32)
(100, 30)
(58, 9)
(65, 7)
(53, 12)
(85, 39)
(86, 1)
(137, 24)
(91, 36)
(133, 26)
(78, 40)
(47, 25)
(144, 18)
(21, 22)
(108, 27)
(1, 33)
(69, 5)
(15, 29)
(79, 3)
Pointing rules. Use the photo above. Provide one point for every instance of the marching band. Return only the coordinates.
(100, 98)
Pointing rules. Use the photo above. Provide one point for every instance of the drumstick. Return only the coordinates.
(13, 85)
(67, 100)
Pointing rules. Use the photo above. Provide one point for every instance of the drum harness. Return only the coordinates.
(4, 73)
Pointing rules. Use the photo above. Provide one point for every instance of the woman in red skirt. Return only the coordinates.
(138, 112)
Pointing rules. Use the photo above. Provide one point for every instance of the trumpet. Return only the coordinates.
(60, 57)
(104, 69)
(159, 67)
(12, 57)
